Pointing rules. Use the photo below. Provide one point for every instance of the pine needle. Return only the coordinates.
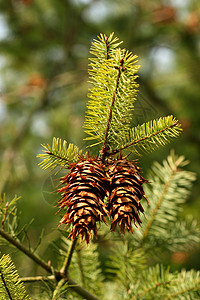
(58, 155)
(10, 285)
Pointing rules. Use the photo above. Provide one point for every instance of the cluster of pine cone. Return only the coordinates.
(85, 188)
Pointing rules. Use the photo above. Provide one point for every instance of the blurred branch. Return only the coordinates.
(25, 250)
(57, 275)
(67, 261)
(56, 292)
(37, 278)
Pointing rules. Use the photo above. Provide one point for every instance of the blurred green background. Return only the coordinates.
(44, 50)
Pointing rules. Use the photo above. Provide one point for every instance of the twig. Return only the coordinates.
(81, 291)
(103, 150)
(150, 289)
(25, 250)
(58, 275)
(57, 289)
(68, 258)
(37, 278)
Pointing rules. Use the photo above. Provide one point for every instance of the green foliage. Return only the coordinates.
(85, 268)
(125, 261)
(113, 94)
(126, 273)
(161, 229)
(59, 155)
(109, 110)
(169, 188)
(10, 285)
(158, 283)
(151, 135)
(9, 216)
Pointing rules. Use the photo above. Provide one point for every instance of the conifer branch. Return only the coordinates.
(59, 154)
(5, 285)
(112, 94)
(149, 136)
(170, 188)
(58, 275)
(187, 283)
(158, 204)
(10, 285)
(148, 290)
(25, 250)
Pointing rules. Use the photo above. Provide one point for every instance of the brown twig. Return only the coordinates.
(104, 147)
(57, 275)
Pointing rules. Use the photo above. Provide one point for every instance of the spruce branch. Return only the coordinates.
(25, 250)
(170, 188)
(57, 275)
(187, 284)
(10, 285)
(58, 155)
(150, 135)
(103, 46)
(112, 94)
(154, 280)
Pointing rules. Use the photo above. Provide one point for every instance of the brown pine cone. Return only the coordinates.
(83, 193)
(125, 193)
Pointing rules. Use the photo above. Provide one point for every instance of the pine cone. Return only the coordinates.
(83, 193)
(125, 194)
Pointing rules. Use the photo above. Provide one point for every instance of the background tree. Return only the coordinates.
(44, 50)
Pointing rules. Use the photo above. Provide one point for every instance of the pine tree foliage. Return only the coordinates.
(113, 91)
(10, 285)
(159, 283)
(154, 283)
(113, 74)
(161, 229)
(169, 189)
(125, 260)
(112, 96)
(183, 236)
(86, 270)
(186, 286)
(60, 154)
(9, 216)
(151, 135)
